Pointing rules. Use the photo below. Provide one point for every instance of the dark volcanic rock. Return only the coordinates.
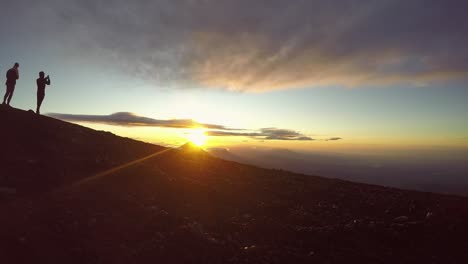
(185, 206)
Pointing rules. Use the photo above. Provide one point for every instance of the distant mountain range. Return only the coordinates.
(419, 171)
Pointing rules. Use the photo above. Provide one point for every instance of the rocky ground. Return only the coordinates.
(185, 206)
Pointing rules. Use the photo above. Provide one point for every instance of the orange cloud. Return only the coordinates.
(265, 45)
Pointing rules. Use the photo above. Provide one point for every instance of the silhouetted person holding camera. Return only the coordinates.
(12, 75)
(41, 85)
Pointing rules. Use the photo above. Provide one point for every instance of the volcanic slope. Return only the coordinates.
(64, 201)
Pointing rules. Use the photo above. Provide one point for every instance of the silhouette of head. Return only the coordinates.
(16, 65)
(41, 74)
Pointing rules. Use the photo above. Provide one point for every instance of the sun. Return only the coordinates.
(197, 137)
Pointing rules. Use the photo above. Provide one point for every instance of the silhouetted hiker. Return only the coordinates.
(41, 85)
(12, 75)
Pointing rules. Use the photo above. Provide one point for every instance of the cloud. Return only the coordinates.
(333, 139)
(265, 134)
(132, 120)
(260, 45)
(282, 134)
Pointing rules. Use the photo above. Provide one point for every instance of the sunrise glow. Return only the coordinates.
(197, 137)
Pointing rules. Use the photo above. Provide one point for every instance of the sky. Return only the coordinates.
(321, 75)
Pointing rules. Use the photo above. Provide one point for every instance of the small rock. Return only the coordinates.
(163, 212)
(398, 226)
(401, 219)
(92, 221)
(415, 223)
(429, 215)
(77, 250)
(160, 235)
(249, 247)
(7, 190)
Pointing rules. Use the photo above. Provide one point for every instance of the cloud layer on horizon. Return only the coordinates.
(262, 45)
(265, 134)
(131, 120)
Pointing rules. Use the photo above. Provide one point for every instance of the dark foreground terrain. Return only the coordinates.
(185, 206)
